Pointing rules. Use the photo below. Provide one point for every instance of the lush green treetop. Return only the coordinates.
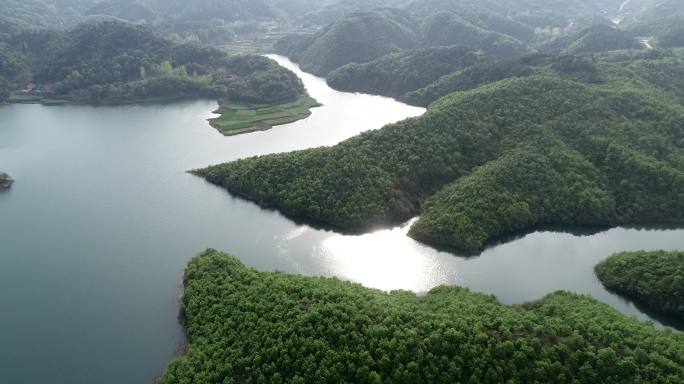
(618, 157)
(655, 279)
(250, 327)
(114, 61)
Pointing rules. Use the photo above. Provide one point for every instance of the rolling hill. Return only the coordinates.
(396, 74)
(249, 326)
(620, 138)
(357, 38)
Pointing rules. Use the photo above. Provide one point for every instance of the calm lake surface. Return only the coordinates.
(103, 218)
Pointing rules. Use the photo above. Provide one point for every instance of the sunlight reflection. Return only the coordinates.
(295, 233)
(386, 259)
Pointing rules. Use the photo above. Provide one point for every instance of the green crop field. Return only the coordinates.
(237, 119)
(24, 99)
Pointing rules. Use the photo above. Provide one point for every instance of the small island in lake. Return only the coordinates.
(5, 181)
(655, 279)
(236, 119)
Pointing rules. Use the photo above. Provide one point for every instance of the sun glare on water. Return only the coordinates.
(387, 259)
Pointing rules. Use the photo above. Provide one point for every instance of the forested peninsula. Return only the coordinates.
(563, 118)
(246, 326)
(583, 142)
(111, 62)
(655, 279)
(114, 62)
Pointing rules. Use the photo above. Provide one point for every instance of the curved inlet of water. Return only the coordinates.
(103, 218)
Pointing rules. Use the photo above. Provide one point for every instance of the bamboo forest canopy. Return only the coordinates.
(578, 141)
(252, 327)
(113, 61)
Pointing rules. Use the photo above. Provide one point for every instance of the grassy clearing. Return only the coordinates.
(237, 119)
(19, 99)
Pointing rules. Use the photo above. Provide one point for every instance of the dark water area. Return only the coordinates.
(103, 218)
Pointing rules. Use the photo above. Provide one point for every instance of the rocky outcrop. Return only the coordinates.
(5, 181)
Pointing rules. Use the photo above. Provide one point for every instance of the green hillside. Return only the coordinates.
(112, 61)
(450, 29)
(475, 76)
(660, 68)
(543, 183)
(532, 13)
(666, 31)
(16, 15)
(623, 146)
(595, 39)
(655, 279)
(357, 38)
(396, 74)
(324, 12)
(131, 10)
(363, 37)
(249, 327)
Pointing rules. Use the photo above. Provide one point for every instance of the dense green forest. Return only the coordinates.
(447, 28)
(485, 73)
(206, 21)
(658, 67)
(595, 39)
(541, 14)
(655, 279)
(501, 29)
(396, 74)
(365, 36)
(112, 61)
(505, 26)
(250, 327)
(357, 38)
(540, 183)
(17, 15)
(616, 155)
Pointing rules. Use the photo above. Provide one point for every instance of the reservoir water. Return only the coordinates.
(103, 218)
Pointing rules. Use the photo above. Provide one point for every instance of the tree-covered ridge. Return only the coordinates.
(357, 38)
(445, 28)
(666, 31)
(396, 74)
(365, 36)
(326, 12)
(328, 52)
(16, 15)
(535, 14)
(112, 61)
(500, 28)
(246, 326)
(665, 72)
(206, 21)
(624, 148)
(485, 73)
(543, 183)
(655, 279)
(594, 39)
(659, 68)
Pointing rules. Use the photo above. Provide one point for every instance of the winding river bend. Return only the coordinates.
(96, 232)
